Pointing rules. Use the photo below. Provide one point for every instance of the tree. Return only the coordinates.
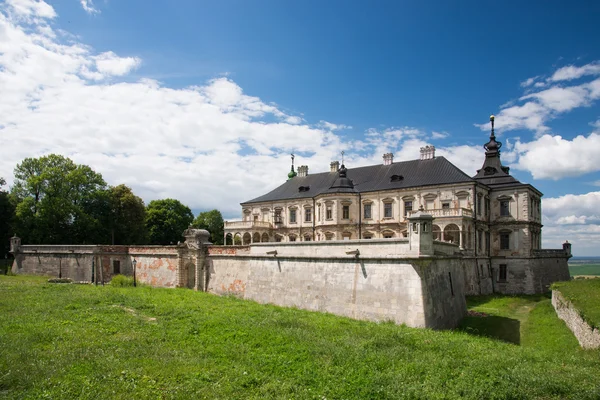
(7, 212)
(58, 202)
(212, 221)
(127, 216)
(166, 220)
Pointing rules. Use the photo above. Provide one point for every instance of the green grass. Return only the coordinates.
(585, 296)
(79, 341)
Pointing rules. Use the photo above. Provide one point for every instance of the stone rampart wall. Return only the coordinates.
(588, 337)
(417, 293)
(73, 262)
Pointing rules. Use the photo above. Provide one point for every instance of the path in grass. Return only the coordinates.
(79, 341)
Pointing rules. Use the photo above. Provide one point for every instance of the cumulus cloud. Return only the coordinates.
(571, 72)
(574, 218)
(552, 157)
(546, 100)
(210, 145)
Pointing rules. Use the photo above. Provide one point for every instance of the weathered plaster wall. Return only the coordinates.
(73, 262)
(156, 265)
(588, 337)
(377, 285)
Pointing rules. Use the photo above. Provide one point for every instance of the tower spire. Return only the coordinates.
(292, 173)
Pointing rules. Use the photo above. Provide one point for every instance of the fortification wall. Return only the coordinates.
(588, 337)
(156, 265)
(416, 292)
(66, 261)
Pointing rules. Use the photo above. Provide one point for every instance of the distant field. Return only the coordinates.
(584, 268)
(65, 341)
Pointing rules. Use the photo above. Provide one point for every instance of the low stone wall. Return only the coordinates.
(588, 337)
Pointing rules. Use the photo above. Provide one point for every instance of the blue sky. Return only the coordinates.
(204, 101)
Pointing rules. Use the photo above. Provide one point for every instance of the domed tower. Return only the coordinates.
(492, 171)
(292, 173)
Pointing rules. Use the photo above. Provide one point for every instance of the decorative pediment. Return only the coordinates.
(430, 196)
(408, 198)
(504, 197)
(462, 193)
(387, 200)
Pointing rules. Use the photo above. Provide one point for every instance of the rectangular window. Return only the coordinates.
(345, 212)
(116, 267)
(277, 216)
(429, 205)
(407, 207)
(487, 206)
(504, 241)
(502, 273)
(367, 211)
(292, 216)
(480, 240)
(387, 210)
(307, 214)
(445, 206)
(504, 208)
(478, 205)
(292, 238)
(328, 213)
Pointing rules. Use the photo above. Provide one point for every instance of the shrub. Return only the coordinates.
(60, 280)
(121, 281)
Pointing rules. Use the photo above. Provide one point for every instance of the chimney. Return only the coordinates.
(388, 158)
(303, 170)
(334, 166)
(427, 152)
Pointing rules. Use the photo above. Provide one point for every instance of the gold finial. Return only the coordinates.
(492, 117)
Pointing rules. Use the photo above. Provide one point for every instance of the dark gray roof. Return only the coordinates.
(414, 173)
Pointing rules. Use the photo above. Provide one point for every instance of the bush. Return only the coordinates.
(121, 281)
(60, 280)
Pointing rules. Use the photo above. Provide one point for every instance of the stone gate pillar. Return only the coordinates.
(196, 242)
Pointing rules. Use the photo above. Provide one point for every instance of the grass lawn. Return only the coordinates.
(585, 296)
(62, 341)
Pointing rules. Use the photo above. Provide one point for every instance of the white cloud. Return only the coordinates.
(109, 63)
(552, 157)
(549, 101)
(30, 9)
(211, 145)
(528, 82)
(571, 72)
(574, 218)
(88, 6)
(439, 135)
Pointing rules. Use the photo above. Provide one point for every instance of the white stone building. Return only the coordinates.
(495, 219)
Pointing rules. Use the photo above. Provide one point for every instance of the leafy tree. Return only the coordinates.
(166, 220)
(127, 216)
(59, 201)
(7, 211)
(212, 221)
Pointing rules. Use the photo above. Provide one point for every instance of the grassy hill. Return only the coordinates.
(74, 341)
(585, 296)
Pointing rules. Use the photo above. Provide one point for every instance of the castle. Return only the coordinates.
(403, 241)
(491, 216)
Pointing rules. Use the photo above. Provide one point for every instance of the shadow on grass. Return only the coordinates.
(502, 328)
(475, 301)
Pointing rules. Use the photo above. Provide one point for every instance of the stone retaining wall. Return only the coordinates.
(588, 337)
